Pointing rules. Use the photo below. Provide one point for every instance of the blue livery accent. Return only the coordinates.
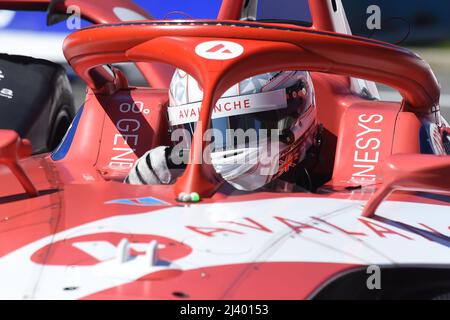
(65, 144)
(146, 202)
(426, 146)
(430, 235)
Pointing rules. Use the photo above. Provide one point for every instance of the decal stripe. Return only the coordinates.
(432, 236)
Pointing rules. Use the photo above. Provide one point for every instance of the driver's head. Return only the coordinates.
(261, 126)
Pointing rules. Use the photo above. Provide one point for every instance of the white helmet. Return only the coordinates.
(261, 126)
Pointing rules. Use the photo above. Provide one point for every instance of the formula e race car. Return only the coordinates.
(375, 223)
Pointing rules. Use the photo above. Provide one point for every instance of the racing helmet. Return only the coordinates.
(261, 126)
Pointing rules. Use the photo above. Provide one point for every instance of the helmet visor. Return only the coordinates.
(241, 121)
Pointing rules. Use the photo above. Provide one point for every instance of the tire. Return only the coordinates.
(35, 100)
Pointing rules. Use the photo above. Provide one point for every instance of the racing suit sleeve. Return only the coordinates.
(151, 168)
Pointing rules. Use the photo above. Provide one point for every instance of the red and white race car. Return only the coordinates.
(381, 204)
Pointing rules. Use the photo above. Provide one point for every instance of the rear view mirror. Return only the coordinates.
(413, 172)
(12, 148)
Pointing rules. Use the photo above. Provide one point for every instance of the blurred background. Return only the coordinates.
(422, 26)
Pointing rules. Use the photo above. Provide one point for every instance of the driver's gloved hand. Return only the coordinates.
(151, 168)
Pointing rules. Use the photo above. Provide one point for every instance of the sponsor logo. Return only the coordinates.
(230, 106)
(367, 146)
(315, 225)
(126, 141)
(91, 249)
(219, 50)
